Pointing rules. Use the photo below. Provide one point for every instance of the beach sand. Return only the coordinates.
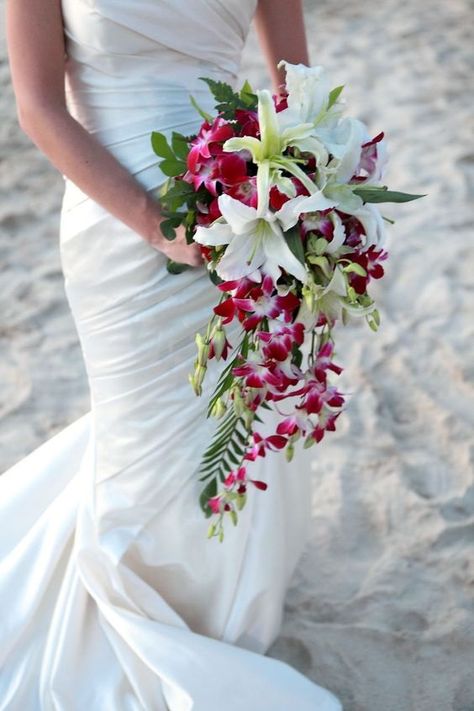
(381, 607)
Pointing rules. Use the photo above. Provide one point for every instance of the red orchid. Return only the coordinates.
(368, 160)
(353, 228)
(281, 101)
(327, 423)
(318, 394)
(261, 444)
(256, 374)
(279, 342)
(267, 304)
(278, 199)
(240, 476)
(248, 121)
(219, 346)
(293, 424)
(217, 132)
(227, 169)
(245, 191)
(319, 222)
(369, 260)
(207, 213)
(324, 362)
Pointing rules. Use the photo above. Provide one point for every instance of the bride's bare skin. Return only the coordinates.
(38, 60)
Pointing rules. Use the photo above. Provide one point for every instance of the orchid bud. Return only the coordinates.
(218, 342)
(199, 375)
(240, 501)
(197, 389)
(203, 349)
(308, 295)
(248, 416)
(239, 406)
(289, 451)
(309, 441)
(218, 409)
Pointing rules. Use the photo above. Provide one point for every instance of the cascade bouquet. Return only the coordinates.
(281, 194)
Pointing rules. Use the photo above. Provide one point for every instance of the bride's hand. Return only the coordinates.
(177, 249)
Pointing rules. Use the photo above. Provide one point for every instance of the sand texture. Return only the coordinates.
(381, 608)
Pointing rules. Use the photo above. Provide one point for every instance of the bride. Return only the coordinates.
(112, 596)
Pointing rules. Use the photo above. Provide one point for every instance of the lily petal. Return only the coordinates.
(234, 264)
(339, 234)
(269, 128)
(217, 233)
(317, 201)
(249, 143)
(289, 212)
(277, 251)
(239, 216)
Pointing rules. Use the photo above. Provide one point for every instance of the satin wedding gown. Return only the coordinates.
(111, 596)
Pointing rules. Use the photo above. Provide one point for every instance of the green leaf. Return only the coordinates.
(173, 167)
(167, 229)
(221, 91)
(208, 492)
(247, 95)
(334, 95)
(215, 278)
(180, 146)
(373, 194)
(179, 188)
(207, 117)
(293, 239)
(160, 145)
(176, 267)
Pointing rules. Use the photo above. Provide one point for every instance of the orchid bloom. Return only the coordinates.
(263, 302)
(255, 242)
(261, 444)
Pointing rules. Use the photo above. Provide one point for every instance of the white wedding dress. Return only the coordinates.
(111, 596)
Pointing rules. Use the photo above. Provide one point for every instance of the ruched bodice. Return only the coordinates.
(130, 72)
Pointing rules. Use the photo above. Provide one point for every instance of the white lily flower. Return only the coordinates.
(255, 242)
(308, 93)
(268, 149)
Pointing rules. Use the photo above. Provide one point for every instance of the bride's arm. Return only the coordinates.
(37, 58)
(281, 32)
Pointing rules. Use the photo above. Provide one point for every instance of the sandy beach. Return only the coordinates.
(381, 607)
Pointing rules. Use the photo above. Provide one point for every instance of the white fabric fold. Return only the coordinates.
(112, 597)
